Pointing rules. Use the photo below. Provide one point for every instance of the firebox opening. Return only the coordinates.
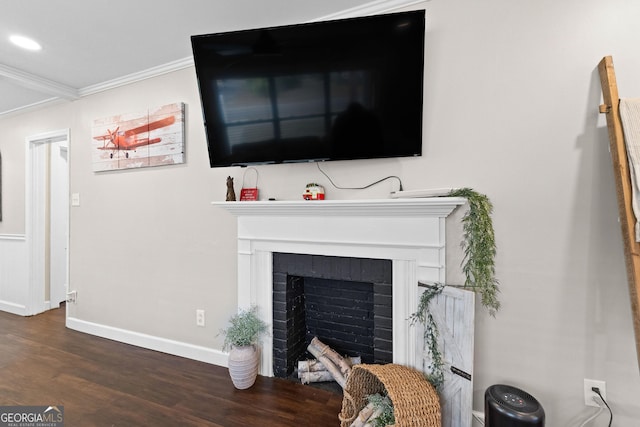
(345, 302)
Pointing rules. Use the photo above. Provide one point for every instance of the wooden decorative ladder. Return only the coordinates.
(624, 189)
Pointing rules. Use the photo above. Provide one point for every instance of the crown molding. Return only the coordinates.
(32, 107)
(60, 94)
(371, 8)
(137, 77)
(38, 83)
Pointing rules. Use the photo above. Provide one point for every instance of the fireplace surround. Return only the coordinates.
(408, 232)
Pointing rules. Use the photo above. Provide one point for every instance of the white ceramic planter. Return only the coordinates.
(243, 366)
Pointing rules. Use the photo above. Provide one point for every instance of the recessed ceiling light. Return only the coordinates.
(25, 42)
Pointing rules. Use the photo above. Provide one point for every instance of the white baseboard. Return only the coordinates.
(176, 348)
(13, 308)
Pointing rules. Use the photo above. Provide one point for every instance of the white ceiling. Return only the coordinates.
(89, 46)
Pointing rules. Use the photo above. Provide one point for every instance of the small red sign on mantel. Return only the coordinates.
(249, 194)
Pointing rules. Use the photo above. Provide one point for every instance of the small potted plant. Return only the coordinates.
(241, 338)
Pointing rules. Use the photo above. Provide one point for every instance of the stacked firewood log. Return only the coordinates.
(328, 365)
(313, 371)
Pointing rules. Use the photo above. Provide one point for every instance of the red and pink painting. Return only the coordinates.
(133, 140)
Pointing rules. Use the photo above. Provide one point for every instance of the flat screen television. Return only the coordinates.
(332, 90)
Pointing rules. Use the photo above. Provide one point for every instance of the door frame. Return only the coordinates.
(36, 193)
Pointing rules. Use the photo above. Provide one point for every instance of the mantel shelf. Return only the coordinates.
(411, 207)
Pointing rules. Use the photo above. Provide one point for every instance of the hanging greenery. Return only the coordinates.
(430, 335)
(478, 266)
(479, 245)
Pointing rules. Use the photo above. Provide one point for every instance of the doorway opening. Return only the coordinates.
(47, 225)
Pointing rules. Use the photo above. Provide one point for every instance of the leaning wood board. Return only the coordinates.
(624, 189)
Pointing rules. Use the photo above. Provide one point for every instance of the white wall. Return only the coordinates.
(511, 109)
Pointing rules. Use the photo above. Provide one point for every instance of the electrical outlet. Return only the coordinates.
(589, 394)
(200, 317)
(71, 296)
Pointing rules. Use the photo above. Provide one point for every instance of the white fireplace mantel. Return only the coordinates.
(409, 232)
(434, 206)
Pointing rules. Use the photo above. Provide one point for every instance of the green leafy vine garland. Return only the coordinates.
(478, 266)
(430, 335)
(479, 245)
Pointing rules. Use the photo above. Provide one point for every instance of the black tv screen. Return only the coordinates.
(333, 90)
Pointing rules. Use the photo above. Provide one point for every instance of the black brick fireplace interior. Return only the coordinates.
(345, 302)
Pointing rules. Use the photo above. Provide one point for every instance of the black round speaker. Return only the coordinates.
(508, 406)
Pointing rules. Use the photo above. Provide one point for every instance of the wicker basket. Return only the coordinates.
(415, 401)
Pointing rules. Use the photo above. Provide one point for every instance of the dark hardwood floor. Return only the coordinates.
(106, 383)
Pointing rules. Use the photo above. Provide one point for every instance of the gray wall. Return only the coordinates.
(511, 109)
